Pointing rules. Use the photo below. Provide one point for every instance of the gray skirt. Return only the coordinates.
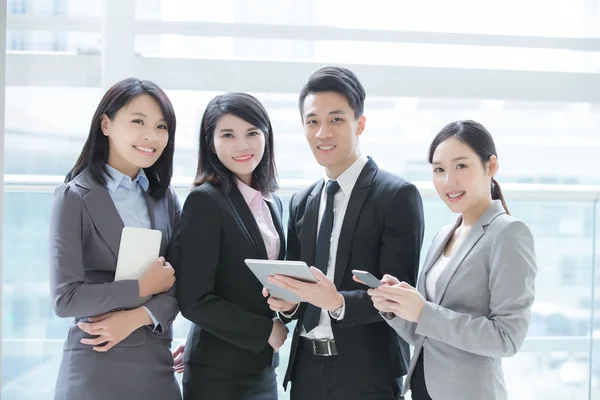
(124, 372)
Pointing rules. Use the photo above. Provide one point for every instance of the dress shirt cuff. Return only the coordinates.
(154, 320)
(342, 312)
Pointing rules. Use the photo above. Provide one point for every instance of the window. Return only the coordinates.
(529, 71)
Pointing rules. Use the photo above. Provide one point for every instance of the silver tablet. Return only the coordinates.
(294, 269)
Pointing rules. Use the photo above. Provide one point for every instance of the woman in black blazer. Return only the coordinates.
(231, 215)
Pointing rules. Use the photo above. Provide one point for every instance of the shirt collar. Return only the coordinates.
(348, 178)
(116, 179)
(249, 194)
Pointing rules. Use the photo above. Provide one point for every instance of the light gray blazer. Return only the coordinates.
(480, 312)
(85, 233)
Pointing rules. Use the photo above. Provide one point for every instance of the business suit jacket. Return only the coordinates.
(215, 288)
(382, 233)
(85, 233)
(481, 308)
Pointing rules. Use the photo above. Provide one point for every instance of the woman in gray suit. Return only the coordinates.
(115, 348)
(472, 303)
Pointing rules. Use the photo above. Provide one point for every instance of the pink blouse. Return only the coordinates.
(258, 206)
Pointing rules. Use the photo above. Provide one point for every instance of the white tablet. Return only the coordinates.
(294, 269)
(138, 249)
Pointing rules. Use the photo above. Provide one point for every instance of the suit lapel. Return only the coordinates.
(157, 210)
(355, 204)
(275, 215)
(102, 210)
(247, 221)
(455, 260)
(465, 248)
(309, 224)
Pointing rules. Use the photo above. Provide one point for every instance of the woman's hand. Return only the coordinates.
(278, 335)
(386, 280)
(159, 278)
(178, 358)
(113, 327)
(279, 305)
(401, 299)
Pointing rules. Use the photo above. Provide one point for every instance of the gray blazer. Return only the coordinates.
(85, 232)
(480, 312)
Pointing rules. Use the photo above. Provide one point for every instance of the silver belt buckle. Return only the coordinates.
(329, 351)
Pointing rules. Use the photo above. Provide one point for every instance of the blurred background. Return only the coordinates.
(529, 70)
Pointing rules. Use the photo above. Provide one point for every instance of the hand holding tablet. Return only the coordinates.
(262, 269)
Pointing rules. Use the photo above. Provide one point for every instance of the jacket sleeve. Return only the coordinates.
(71, 297)
(512, 291)
(404, 329)
(399, 253)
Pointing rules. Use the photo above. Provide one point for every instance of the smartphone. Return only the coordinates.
(367, 278)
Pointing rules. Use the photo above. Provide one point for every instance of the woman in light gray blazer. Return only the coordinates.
(472, 303)
(115, 348)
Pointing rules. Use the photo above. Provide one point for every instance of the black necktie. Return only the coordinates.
(312, 313)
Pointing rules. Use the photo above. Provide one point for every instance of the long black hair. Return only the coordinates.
(474, 135)
(210, 169)
(94, 154)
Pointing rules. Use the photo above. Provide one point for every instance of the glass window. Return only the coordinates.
(547, 140)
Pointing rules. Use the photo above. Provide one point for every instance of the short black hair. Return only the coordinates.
(210, 168)
(339, 80)
(94, 154)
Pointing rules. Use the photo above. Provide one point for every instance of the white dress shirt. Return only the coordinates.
(346, 180)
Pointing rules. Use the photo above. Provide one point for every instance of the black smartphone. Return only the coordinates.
(367, 278)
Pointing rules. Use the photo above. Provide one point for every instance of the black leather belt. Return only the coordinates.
(320, 347)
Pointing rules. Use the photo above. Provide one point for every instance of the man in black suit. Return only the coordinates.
(357, 217)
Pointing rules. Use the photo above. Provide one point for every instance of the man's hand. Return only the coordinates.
(322, 294)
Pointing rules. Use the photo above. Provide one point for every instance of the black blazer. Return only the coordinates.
(216, 291)
(382, 233)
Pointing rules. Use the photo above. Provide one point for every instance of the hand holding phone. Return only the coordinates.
(367, 278)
